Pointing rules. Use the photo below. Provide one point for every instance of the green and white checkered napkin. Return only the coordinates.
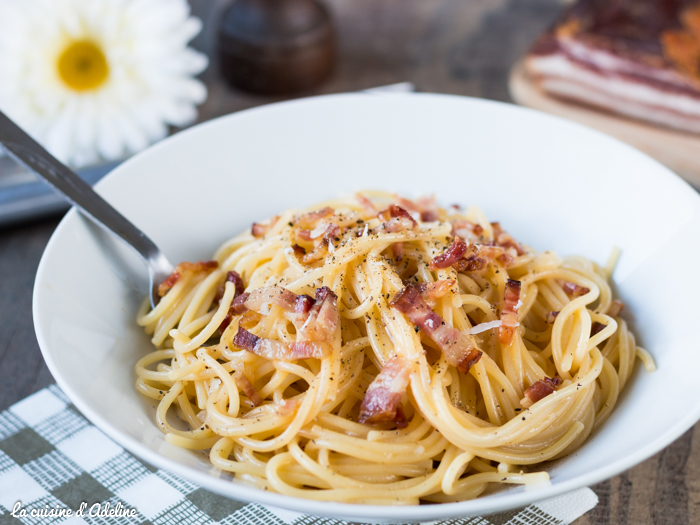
(51, 457)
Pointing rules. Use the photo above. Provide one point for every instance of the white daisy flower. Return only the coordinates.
(98, 80)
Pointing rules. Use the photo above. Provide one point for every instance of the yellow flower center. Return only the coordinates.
(83, 66)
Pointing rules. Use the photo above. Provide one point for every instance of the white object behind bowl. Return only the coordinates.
(552, 184)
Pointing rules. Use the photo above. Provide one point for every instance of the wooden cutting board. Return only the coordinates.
(677, 150)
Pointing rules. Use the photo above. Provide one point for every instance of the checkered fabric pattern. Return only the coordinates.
(51, 457)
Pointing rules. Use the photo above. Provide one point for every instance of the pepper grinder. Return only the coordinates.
(276, 46)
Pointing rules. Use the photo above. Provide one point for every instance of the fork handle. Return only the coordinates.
(34, 157)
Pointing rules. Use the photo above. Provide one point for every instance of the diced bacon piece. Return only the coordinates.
(504, 240)
(304, 235)
(277, 350)
(397, 219)
(244, 383)
(573, 288)
(455, 251)
(467, 230)
(400, 420)
(465, 257)
(168, 283)
(237, 307)
(397, 250)
(426, 207)
(498, 253)
(431, 292)
(303, 304)
(246, 340)
(459, 348)
(298, 250)
(234, 278)
(323, 318)
(539, 390)
(472, 263)
(497, 230)
(597, 327)
(271, 295)
(259, 230)
(309, 220)
(367, 205)
(332, 233)
(551, 316)
(615, 308)
(382, 402)
(201, 266)
(509, 313)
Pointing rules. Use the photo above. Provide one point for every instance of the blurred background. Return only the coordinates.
(290, 48)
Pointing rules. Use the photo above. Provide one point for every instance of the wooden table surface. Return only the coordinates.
(463, 47)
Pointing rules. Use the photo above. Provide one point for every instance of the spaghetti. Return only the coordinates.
(384, 351)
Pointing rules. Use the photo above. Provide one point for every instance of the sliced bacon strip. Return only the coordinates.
(259, 230)
(309, 220)
(323, 317)
(573, 288)
(277, 350)
(509, 313)
(455, 251)
(316, 320)
(244, 383)
(237, 307)
(271, 294)
(615, 308)
(460, 349)
(201, 266)
(397, 219)
(539, 390)
(382, 402)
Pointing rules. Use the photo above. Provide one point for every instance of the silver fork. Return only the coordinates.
(34, 157)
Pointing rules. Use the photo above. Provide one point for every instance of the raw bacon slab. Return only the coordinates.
(638, 58)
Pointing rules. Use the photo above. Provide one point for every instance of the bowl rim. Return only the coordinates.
(412, 513)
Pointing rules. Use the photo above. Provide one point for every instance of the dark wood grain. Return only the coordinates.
(463, 47)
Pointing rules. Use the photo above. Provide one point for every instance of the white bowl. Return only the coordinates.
(553, 184)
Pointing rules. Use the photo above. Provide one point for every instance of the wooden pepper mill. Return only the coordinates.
(276, 46)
